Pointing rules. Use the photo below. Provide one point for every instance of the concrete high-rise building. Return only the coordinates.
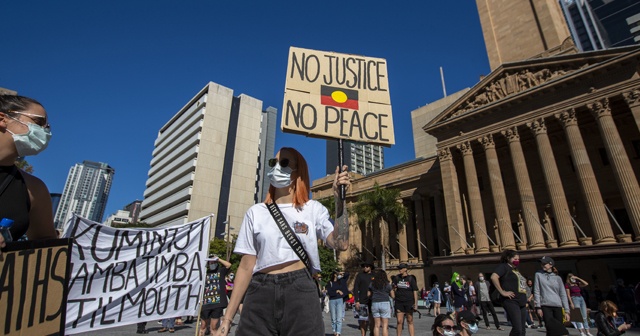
(134, 210)
(204, 161)
(268, 124)
(598, 24)
(361, 158)
(85, 192)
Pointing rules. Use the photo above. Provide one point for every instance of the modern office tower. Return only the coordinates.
(204, 162)
(598, 24)
(361, 158)
(85, 192)
(134, 210)
(268, 126)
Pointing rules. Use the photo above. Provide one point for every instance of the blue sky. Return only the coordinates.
(111, 73)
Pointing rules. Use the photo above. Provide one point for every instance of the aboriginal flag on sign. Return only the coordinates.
(339, 97)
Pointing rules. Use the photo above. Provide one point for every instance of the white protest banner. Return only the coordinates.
(337, 96)
(126, 276)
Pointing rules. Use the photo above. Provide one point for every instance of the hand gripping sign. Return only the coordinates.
(337, 96)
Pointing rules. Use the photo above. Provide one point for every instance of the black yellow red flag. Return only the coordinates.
(339, 97)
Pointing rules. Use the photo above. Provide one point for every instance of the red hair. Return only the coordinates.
(300, 183)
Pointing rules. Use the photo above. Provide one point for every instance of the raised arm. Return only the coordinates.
(339, 238)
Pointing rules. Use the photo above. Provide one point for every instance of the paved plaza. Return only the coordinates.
(349, 328)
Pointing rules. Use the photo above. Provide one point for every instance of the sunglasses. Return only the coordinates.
(37, 119)
(283, 163)
(448, 327)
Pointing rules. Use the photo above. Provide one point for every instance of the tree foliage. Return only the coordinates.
(219, 248)
(22, 164)
(378, 207)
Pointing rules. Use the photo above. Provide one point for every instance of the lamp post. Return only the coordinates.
(228, 236)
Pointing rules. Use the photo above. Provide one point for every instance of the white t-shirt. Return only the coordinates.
(260, 236)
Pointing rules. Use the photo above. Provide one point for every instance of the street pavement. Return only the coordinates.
(349, 328)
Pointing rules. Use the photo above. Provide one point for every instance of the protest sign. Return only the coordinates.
(126, 276)
(337, 96)
(33, 287)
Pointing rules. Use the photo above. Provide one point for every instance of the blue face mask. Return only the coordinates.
(473, 328)
(32, 142)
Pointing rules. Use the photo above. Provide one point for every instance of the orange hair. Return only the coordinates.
(300, 183)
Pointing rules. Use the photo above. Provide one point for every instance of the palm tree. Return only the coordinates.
(379, 206)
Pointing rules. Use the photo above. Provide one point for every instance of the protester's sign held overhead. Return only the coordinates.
(337, 96)
(126, 276)
(33, 287)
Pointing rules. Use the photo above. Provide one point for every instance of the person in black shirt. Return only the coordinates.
(406, 292)
(215, 294)
(360, 288)
(512, 288)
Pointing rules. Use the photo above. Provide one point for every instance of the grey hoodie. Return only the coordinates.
(549, 291)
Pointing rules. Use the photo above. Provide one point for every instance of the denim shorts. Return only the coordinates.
(281, 304)
(381, 309)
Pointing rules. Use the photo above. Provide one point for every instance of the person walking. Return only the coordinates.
(277, 282)
(337, 291)
(511, 286)
(360, 294)
(406, 297)
(485, 302)
(472, 297)
(458, 293)
(605, 320)
(531, 308)
(214, 298)
(436, 298)
(549, 298)
(573, 287)
(446, 290)
(380, 293)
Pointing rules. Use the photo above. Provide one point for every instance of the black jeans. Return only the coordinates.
(517, 315)
(552, 317)
(281, 304)
(487, 306)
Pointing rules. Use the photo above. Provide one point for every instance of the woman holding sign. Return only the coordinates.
(278, 239)
(24, 198)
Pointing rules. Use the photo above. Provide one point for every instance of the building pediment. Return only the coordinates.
(520, 78)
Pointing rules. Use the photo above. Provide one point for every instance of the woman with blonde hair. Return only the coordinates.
(278, 285)
(573, 287)
(605, 320)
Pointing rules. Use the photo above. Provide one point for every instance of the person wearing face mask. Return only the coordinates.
(573, 287)
(337, 291)
(467, 323)
(215, 294)
(24, 198)
(549, 298)
(458, 294)
(280, 290)
(512, 288)
(443, 325)
(485, 302)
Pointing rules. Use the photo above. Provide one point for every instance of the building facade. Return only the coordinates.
(268, 125)
(361, 158)
(86, 192)
(204, 161)
(598, 24)
(541, 156)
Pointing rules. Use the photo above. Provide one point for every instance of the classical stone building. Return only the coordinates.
(542, 155)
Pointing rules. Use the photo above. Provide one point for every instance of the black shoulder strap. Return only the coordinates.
(8, 179)
(291, 238)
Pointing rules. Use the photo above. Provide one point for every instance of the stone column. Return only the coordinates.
(452, 203)
(499, 195)
(622, 170)
(527, 200)
(441, 223)
(402, 238)
(475, 200)
(554, 184)
(586, 179)
(633, 100)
